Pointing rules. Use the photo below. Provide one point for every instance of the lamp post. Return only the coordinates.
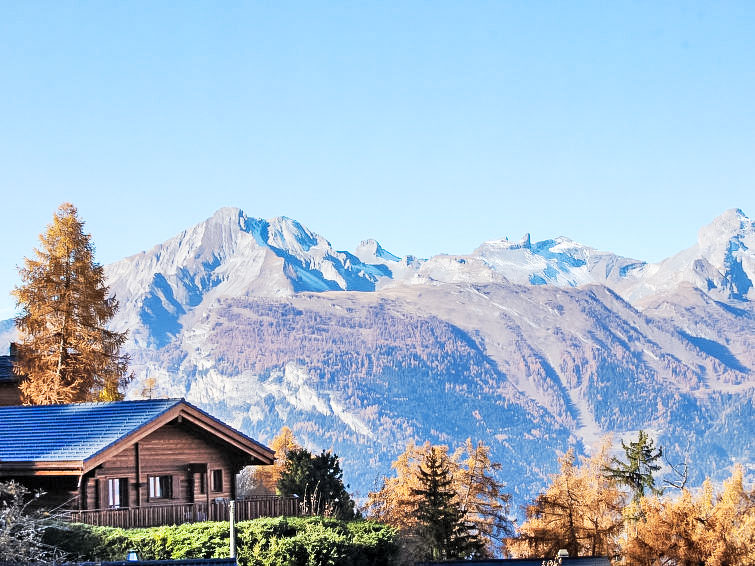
(232, 522)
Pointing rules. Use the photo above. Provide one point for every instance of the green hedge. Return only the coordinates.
(292, 541)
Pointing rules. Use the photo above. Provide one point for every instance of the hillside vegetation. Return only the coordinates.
(295, 541)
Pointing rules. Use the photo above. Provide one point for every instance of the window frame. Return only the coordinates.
(217, 480)
(202, 483)
(117, 493)
(160, 487)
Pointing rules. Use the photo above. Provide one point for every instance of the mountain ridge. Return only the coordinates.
(231, 254)
(532, 347)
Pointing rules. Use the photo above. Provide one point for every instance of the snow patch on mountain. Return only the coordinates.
(388, 268)
(457, 269)
(561, 262)
(371, 250)
(231, 254)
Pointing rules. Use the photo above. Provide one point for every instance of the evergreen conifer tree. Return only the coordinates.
(318, 482)
(440, 517)
(67, 354)
(479, 493)
(637, 472)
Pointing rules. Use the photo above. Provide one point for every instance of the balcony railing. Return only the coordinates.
(157, 515)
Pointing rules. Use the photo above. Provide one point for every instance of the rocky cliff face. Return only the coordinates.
(531, 347)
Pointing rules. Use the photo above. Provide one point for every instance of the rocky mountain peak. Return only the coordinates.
(370, 250)
(722, 263)
(732, 227)
(730, 221)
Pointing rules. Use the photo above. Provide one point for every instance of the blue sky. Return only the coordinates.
(430, 126)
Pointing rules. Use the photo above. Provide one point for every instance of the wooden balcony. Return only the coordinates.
(157, 515)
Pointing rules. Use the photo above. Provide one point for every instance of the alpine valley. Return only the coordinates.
(531, 347)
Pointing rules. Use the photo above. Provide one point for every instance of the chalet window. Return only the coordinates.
(202, 482)
(160, 487)
(117, 493)
(217, 480)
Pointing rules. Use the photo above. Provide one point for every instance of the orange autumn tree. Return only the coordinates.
(581, 511)
(477, 492)
(256, 480)
(482, 495)
(691, 529)
(66, 353)
(395, 502)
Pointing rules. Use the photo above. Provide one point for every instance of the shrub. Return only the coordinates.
(284, 541)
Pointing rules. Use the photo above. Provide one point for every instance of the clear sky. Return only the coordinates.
(430, 126)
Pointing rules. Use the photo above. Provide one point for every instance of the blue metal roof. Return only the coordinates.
(60, 433)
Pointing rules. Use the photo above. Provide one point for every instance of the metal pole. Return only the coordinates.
(232, 519)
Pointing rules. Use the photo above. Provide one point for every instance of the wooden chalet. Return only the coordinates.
(132, 463)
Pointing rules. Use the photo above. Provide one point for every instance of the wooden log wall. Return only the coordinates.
(169, 451)
(9, 393)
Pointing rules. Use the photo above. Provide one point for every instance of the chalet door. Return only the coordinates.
(198, 483)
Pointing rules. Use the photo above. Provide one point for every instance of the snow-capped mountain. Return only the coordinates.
(231, 255)
(722, 262)
(228, 255)
(530, 347)
(560, 262)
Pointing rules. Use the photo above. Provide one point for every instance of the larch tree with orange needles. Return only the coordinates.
(581, 511)
(264, 479)
(476, 491)
(67, 354)
(693, 528)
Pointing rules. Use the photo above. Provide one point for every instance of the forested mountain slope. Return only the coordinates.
(530, 347)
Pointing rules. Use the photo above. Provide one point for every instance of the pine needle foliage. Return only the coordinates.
(440, 516)
(67, 354)
(694, 528)
(637, 472)
(476, 493)
(318, 483)
(482, 495)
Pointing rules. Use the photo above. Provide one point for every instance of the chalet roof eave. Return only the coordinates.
(41, 468)
(193, 414)
(229, 434)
